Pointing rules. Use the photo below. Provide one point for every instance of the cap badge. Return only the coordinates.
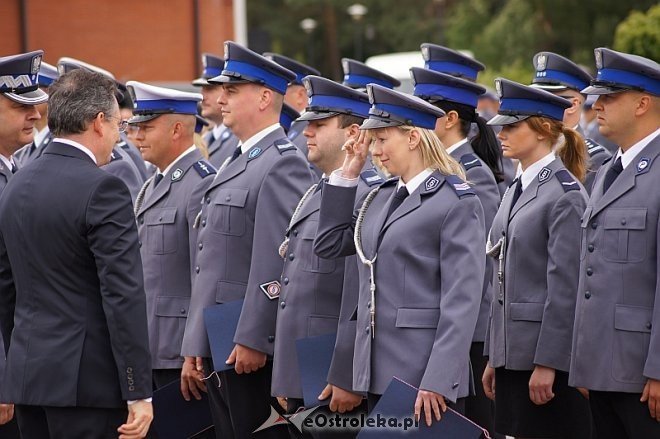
(599, 59)
(36, 63)
(541, 62)
(498, 87)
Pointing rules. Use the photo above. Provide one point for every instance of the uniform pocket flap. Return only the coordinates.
(319, 325)
(228, 291)
(172, 306)
(633, 318)
(231, 197)
(531, 312)
(417, 317)
(160, 216)
(631, 219)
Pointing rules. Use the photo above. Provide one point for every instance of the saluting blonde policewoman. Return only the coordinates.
(419, 238)
(535, 237)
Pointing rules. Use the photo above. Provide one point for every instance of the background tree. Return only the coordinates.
(640, 34)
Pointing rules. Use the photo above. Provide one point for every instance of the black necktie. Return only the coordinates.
(157, 179)
(516, 192)
(612, 173)
(236, 154)
(210, 139)
(13, 168)
(400, 195)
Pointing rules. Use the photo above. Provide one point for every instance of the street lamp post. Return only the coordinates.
(357, 12)
(308, 25)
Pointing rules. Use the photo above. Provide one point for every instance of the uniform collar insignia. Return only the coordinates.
(177, 174)
(544, 174)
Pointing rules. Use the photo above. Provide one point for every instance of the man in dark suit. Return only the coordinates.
(72, 303)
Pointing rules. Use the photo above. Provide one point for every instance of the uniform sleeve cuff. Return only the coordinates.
(336, 179)
(133, 401)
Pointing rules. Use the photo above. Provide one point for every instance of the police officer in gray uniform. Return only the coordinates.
(419, 238)
(245, 211)
(562, 77)
(312, 297)
(221, 142)
(616, 340)
(19, 94)
(165, 210)
(533, 238)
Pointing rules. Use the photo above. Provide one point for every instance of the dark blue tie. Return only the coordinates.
(612, 173)
(236, 154)
(400, 195)
(157, 179)
(13, 168)
(517, 191)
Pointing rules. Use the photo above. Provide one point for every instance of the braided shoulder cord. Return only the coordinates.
(140, 196)
(285, 244)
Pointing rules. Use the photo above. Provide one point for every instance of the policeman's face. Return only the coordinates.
(390, 147)
(153, 138)
(239, 104)
(16, 125)
(519, 141)
(110, 135)
(615, 113)
(210, 107)
(324, 141)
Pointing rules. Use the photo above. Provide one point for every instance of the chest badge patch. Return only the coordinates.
(271, 289)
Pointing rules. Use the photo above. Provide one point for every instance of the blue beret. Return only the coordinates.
(435, 86)
(619, 71)
(150, 101)
(213, 66)
(445, 60)
(391, 108)
(554, 72)
(328, 98)
(19, 78)
(518, 102)
(243, 65)
(357, 75)
(301, 70)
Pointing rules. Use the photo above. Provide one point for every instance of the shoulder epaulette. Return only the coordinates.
(459, 186)
(568, 183)
(204, 168)
(284, 145)
(390, 181)
(371, 177)
(469, 161)
(122, 144)
(114, 156)
(593, 147)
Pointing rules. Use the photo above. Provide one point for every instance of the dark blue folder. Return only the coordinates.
(221, 322)
(314, 358)
(176, 418)
(398, 402)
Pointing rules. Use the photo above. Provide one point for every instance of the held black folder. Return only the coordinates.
(314, 358)
(221, 322)
(395, 412)
(176, 418)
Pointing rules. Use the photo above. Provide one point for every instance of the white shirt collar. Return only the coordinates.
(533, 170)
(77, 146)
(171, 165)
(456, 145)
(6, 161)
(631, 153)
(249, 143)
(40, 136)
(218, 130)
(415, 181)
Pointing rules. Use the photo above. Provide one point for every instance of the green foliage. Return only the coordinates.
(640, 34)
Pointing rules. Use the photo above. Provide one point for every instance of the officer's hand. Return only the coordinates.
(342, 400)
(540, 385)
(431, 402)
(488, 382)
(246, 360)
(140, 415)
(282, 402)
(192, 378)
(651, 394)
(357, 150)
(6, 413)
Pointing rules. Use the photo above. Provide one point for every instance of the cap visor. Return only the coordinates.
(222, 79)
(370, 124)
(316, 115)
(30, 98)
(601, 90)
(138, 118)
(199, 82)
(502, 119)
(549, 87)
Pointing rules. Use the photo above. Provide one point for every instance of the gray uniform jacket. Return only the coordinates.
(428, 276)
(221, 148)
(135, 155)
(597, 155)
(483, 182)
(165, 218)
(245, 212)
(532, 313)
(616, 342)
(311, 296)
(27, 153)
(121, 166)
(5, 175)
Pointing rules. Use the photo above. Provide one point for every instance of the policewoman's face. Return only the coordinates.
(390, 147)
(518, 140)
(16, 124)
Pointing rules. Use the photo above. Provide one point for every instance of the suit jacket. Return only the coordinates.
(222, 148)
(72, 304)
(5, 175)
(616, 341)
(532, 315)
(311, 297)
(165, 219)
(245, 212)
(428, 275)
(483, 182)
(121, 166)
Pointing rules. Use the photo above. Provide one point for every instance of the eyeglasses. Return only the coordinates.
(122, 125)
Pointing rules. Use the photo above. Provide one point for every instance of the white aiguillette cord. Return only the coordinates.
(357, 239)
(285, 244)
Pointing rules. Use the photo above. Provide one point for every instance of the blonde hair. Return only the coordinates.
(200, 143)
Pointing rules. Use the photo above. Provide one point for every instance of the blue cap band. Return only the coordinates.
(212, 72)
(410, 116)
(254, 73)
(166, 106)
(529, 107)
(446, 93)
(559, 76)
(625, 78)
(45, 81)
(339, 105)
(364, 80)
(450, 67)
